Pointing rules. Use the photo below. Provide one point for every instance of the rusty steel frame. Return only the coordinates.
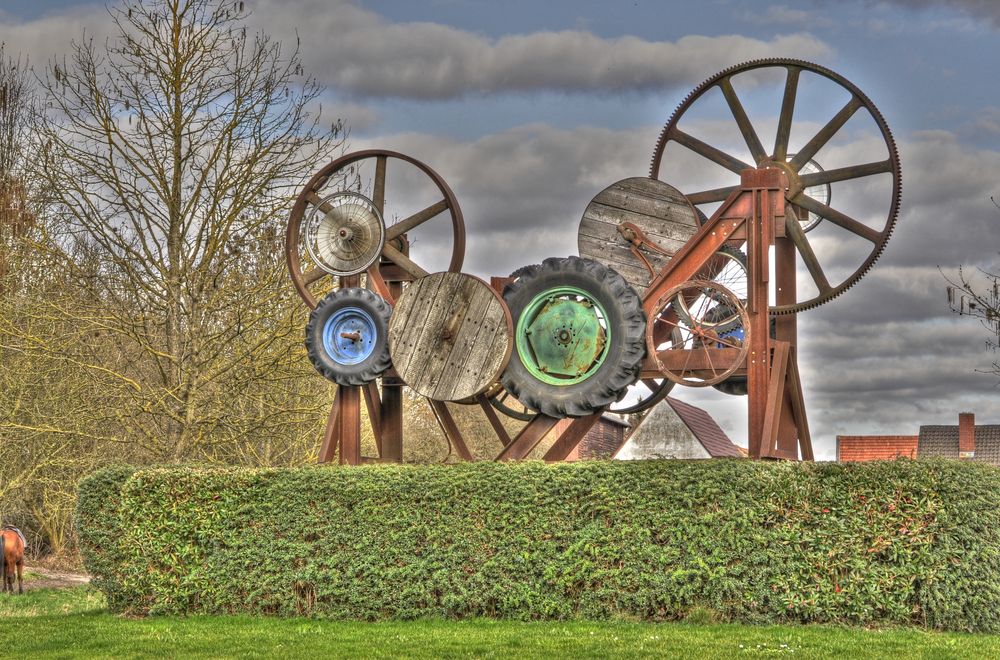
(761, 211)
(776, 419)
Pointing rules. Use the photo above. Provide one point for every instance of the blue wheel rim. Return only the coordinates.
(349, 336)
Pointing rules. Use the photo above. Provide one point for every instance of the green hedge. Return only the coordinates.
(898, 542)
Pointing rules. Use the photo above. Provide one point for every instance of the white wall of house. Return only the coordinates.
(661, 434)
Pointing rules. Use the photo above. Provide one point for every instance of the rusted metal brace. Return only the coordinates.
(637, 238)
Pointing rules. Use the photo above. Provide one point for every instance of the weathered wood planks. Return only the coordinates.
(657, 208)
(450, 336)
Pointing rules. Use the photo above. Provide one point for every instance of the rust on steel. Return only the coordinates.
(799, 179)
(653, 235)
(334, 171)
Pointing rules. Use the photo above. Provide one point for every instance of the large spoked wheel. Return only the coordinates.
(347, 336)
(853, 150)
(331, 232)
(578, 337)
(704, 355)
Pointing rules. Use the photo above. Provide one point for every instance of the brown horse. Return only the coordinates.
(11, 557)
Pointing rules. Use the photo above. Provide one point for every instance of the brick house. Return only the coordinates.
(674, 429)
(602, 440)
(875, 447)
(966, 440)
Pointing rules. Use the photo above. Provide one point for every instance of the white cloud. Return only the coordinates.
(356, 50)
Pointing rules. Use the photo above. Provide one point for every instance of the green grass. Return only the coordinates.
(74, 623)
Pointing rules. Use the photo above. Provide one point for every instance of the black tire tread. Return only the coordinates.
(613, 378)
(377, 363)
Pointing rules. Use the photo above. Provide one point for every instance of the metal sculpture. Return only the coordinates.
(697, 289)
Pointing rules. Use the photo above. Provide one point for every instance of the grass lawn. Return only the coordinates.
(73, 622)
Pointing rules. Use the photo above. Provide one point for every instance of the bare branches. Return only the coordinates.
(171, 151)
(978, 296)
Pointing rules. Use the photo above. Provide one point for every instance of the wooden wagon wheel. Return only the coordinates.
(698, 364)
(328, 190)
(450, 336)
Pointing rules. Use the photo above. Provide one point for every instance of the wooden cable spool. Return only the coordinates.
(450, 336)
(663, 216)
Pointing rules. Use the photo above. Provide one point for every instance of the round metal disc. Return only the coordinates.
(659, 210)
(450, 336)
(345, 233)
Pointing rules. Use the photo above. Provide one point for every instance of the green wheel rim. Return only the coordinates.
(563, 336)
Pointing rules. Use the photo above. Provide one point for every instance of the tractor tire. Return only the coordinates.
(360, 358)
(604, 380)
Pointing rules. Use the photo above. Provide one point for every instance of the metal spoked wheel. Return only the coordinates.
(728, 268)
(578, 337)
(642, 395)
(695, 360)
(361, 182)
(344, 233)
(646, 392)
(511, 407)
(346, 337)
(853, 149)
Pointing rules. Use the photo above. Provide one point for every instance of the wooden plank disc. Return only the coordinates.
(661, 211)
(450, 336)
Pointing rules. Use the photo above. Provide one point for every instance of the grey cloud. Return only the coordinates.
(523, 191)
(986, 9)
(789, 16)
(356, 50)
(49, 37)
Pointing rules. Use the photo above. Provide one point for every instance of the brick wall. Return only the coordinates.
(601, 441)
(875, 447)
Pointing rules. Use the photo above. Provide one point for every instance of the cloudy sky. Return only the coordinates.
(528, 109)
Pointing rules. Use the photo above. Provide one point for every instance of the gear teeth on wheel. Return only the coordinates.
(656, 161)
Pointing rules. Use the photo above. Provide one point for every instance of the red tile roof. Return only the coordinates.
(709, 434)
(875, 447)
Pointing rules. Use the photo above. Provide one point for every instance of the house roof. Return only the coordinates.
(709, 434)
(875, 447)
(615, 419)
(943, 441)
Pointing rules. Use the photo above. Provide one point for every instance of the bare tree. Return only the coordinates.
(978, 296)
(170, 152)
(17, 148)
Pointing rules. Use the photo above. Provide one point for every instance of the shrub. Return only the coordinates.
(897, 542)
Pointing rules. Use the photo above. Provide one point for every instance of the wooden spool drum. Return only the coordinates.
(661, 211)
(450, 336)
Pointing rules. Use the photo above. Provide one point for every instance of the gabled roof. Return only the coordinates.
(709, 434)
(943, 441)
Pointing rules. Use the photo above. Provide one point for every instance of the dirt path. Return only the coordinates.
(36, 577)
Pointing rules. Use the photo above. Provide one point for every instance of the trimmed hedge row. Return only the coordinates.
(898, 542)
